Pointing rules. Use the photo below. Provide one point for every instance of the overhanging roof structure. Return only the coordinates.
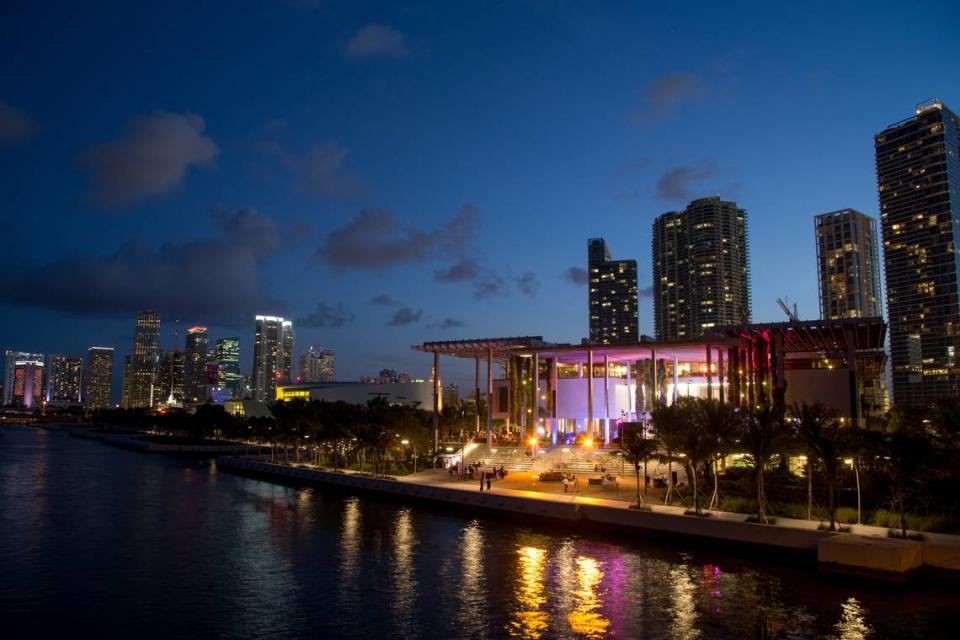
(568, 353)
(480, 347)
(862, 334)
(815, 335)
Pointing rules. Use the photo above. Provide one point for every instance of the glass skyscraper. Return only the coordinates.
(98, 381)
(848, 267)
(144, 361)
(195, 365)
(64, 377)
(170, 377)
(701, 273)
(228, 363)
(918, 179)
(272, 356)
(612, 295)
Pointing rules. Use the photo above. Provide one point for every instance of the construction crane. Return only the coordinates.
(791, 313)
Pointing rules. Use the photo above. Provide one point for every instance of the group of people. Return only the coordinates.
(487, 476)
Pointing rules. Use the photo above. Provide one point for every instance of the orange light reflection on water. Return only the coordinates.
(531, 619)
(587, 618)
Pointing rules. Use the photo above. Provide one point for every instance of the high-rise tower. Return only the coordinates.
(848, 268)
(98, 381)
(918, 179)
(145, 361)
(317, 365)
(23, 379)
(612, 295)
(701, 274)
(272, 356)
(228, 364)
(195, 349)
(64, 377)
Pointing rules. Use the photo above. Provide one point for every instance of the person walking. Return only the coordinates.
(566, 484)
(481, 481)
(488, 483)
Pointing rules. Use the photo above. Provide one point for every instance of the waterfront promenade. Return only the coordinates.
(862, 550)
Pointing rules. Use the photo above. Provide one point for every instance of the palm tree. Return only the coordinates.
(719, 420)
(761, 436)
(823, 439)
(637, 450)
(696, 443)
(907, 447)
(669, 422)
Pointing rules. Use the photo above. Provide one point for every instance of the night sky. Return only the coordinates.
(385, 174)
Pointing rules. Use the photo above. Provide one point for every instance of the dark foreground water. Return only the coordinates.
(96, 541)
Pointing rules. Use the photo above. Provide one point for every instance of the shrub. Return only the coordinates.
(847, 515)
(737, 504)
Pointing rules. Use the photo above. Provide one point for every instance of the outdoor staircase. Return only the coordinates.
(571, 459)
(510, 458)
(583, 460)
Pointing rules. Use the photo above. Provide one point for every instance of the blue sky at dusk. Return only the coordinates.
(389, 173)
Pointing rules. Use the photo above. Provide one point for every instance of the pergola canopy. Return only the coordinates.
(860, 334)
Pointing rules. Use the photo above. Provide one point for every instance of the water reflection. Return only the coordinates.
(179, 555)
(587, 618)
(565, 563)
(404, 583)
(683, 607)
(472, 611)
(349, 568)
(530, 619)
(853, 624)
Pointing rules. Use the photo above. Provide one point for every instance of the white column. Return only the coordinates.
(536, 395)
(606, 398)
(676, 379)
(555, 427)
(476, 389)
(436, 402)
(490, 397)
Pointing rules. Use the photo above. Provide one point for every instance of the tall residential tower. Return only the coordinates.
(98, 381)
(848, 268)
(272, 356)
(64, 377)
(195, 350)
(23, 379)
(612, 296)
(918, 179)
(701, 273)
(317, 365)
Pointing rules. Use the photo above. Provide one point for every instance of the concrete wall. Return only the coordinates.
(830, 387)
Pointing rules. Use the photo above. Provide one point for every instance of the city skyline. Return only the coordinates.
(268, 200)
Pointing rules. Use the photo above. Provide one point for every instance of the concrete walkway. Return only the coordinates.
(866, 550)
(524, 484)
